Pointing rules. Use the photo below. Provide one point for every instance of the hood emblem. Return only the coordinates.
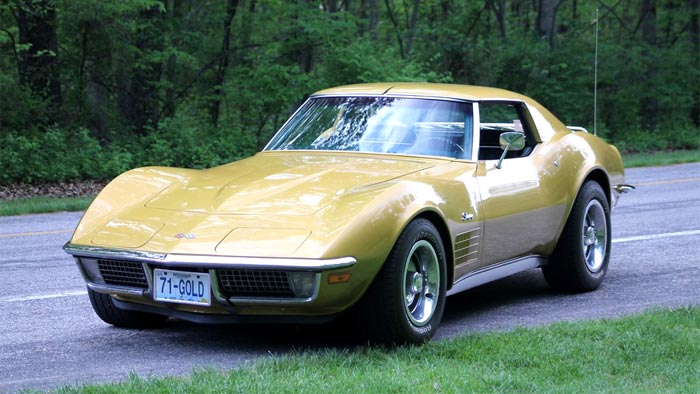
(185, 236)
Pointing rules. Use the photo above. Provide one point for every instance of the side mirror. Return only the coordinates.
(510, 141)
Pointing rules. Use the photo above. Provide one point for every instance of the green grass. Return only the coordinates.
(22, 206)
(655, 352)
(660, 158)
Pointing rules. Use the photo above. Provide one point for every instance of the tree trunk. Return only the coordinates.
(499, 10)
(397, 30)
(307, 52)
(694, 32)
(98, 65)
(649, 103)
(412, 27)
(169, 105)
(39, 67)
(223, 62)
(373, 20)
(144, 91)
(546, 20)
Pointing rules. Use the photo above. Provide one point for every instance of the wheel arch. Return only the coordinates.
(599, 176)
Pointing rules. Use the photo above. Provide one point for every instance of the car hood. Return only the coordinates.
(281, 183)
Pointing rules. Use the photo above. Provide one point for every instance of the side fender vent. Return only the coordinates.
(467, 247)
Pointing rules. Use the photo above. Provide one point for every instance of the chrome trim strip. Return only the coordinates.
(93, 251)
(209, 261)
(109, 289)
(491, 273)
(259, 262)
(624, 188)
(577, 129)
(389, 94)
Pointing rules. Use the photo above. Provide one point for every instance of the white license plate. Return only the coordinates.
(182, 287)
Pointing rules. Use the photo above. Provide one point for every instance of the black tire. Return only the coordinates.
(106, 310)
(580, 260)
(404, 305)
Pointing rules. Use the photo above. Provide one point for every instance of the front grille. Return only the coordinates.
(254, 283)
(123, 273)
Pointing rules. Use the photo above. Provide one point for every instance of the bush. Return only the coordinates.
(57, 155)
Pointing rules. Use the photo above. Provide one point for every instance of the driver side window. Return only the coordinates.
(497, 117)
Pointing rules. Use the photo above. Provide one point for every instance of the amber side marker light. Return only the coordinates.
(340, 277)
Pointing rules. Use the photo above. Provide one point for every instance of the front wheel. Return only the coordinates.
(109, 313)
(580, 260)
(405, 302)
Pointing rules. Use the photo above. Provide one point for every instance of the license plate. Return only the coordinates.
(182, 287)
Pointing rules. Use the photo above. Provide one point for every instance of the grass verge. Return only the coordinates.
(22, 206)
(655, 352)
(660, 158)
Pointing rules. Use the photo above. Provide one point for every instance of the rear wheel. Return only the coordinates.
(580, 260)
(104, 307)
(405, 302)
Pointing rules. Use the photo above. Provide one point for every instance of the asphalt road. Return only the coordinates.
(50, 337)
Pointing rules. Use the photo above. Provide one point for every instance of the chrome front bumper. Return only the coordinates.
(87, 259)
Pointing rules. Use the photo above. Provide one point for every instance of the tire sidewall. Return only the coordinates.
(418, 230)
(591, 191)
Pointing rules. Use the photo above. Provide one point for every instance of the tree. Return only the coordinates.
(546, 19)
(38, 55)
(223, 61)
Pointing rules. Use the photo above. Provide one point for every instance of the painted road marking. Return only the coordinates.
(43, 297)
(656, 236)
(35, 233)
(651, 183)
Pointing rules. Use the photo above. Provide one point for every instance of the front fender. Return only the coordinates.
(130, 189)
(366, 224)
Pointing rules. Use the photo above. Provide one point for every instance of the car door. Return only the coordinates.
(519, 217)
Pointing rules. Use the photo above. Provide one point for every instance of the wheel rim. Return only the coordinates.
(595, 236)
(421, 279)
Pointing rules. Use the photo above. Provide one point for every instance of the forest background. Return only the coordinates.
(91, 88)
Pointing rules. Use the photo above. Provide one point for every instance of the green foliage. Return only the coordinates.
(19, 109)
(55, 155)
(184, 142)
(140, 79)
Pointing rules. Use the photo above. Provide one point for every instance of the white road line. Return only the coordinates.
(656, 236)
(43, 297)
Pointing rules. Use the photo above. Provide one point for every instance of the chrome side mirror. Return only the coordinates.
(510, 141)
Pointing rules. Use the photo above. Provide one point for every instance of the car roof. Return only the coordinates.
(466, 92)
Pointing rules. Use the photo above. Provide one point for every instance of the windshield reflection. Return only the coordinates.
(380, 124)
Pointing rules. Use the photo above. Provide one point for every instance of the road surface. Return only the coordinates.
(49, 335)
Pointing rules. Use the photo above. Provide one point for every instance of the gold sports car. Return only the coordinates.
(373, 200)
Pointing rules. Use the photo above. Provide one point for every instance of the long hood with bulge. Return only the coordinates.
(267, 205)
(280, 184)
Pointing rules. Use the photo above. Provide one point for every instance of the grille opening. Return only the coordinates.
(255, 283)
(123, 273)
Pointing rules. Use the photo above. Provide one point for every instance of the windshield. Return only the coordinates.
(379, 124)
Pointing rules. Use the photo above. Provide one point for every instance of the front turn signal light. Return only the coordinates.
(340, 277)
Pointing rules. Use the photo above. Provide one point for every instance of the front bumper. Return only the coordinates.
(128, 276)
(619, 190)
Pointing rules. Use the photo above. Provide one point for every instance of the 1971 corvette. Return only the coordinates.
(376, 200)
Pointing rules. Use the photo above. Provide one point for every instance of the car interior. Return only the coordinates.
(498, 118)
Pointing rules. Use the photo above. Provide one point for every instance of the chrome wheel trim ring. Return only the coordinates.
(421, 283)
(594, 240)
